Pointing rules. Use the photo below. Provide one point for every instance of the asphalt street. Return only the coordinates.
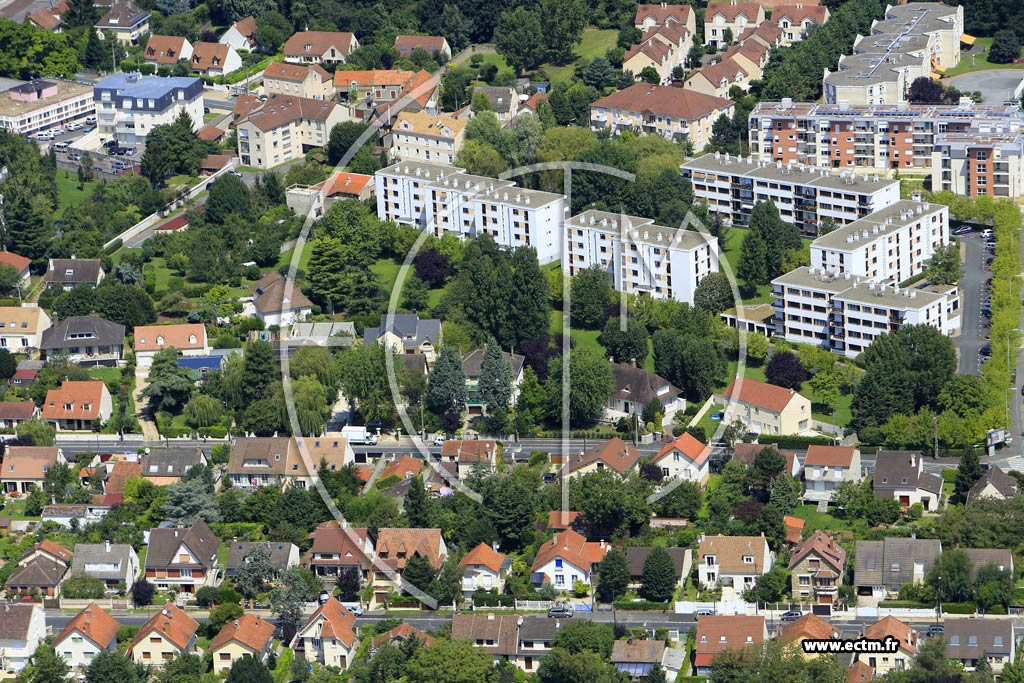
(969, 341)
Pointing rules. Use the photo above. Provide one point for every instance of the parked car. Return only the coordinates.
(962, 230)
(704, 613)
(439, 441)
(987, 232)
(560, 612)
(91, 120)
(237, 174)
(74, 125)
(935, 630)
(791, 615)
(550, 477)
(129, 151)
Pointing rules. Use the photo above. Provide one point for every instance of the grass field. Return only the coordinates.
(595, 43)
(286, 257)
(105, 374)
(68, 193)
(822, 520)
(978, 63)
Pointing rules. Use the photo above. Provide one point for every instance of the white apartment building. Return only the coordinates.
(419, 136)
(447, 199)
(128, 106)
(844, 313)
(876, 138)
(890, 245)
(731, 186)
(979, 163)
(38, 105)
(285, 127)
(643, 258)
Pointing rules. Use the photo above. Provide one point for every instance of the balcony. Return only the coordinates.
(826, 589)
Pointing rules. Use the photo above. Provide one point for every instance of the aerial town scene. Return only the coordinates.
(525, 341)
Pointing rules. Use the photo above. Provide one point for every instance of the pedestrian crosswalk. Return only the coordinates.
(1015, 463)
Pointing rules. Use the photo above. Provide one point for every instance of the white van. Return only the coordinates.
(60, 147)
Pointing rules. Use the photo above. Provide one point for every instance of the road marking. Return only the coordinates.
(1015, 463)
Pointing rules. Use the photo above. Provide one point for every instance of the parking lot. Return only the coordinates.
(995, 85)
(973, 340)
(73, 141)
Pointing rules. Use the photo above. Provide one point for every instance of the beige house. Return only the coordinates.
(797, 19)
(733, 561)
(767, 409)
(883, 663)
(827, 467)
(319, 47)
(76, 406)
(87, 635)
(26, 466)
(664, 14)
(614, 455)
(167, 50)
(395, 547)
(717, 79)
(124, 22)
(279, 461)
(418, 136)
(284, 128)
(22, 328)
(808, 627)
(672, 113)
(311, 81)
(329, 636)
(168, 634)
(654, 54)
(816, 569)
(723, 20)
(685, 458)
(246, 635)
(752, 56)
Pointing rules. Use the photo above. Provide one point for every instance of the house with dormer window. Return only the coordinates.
(733, 561)
(884, 662)
(124, 22)
(968, 640)
(816, 568)
(183, 559)
(395, 547)
(188, 338)
(717, 634)
(168, 634)
(407, 334)
(214, 59)
(484, 568)
(328, 637)
(280, 461)
(567, 558)
(319, 47)
(725, 19)
(717, 79)
(78, 406)
(167, 50)
(337, 549)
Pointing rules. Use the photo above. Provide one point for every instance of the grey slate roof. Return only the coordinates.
(501, 98)
(239, 550)
(97, 553)
(164, 542)
(538, 628)
(901, 470)
(39, 571)
(473, 360)
(170, 462)
(640, 386)
(122, 15)
(636, 556)
(14, 621)
(979, 557)
(67, 333)
(1006, 485)
(408, 327)
(992, 636)
(891, 562)
(85, 270)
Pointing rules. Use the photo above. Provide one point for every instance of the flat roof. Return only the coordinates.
(133, 85)
(877, 224)
(65, 91)
(756, 314)
(797, 174)
(813, 278)
(468, 181)
(522, 197)
(888, 296)
(426, 171)
(638, 229)
(886, 42)
(897, 111)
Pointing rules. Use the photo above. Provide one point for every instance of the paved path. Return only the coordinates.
(969, 341)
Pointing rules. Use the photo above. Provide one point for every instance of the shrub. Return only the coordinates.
(83, 587)
(627, 605)
(485, 599)
(125, 634)
(794, 442)
(959, 607)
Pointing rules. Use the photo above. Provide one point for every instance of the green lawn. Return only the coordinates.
(595, 43)
(978, 63)
(222, 554)
(387, 273)
(707, 424)
(210, 117)
(498, 61)
(583, 338)
(163, 273)
(286, 257)
(68, 193)
(105, 374)
(283, 672)
(16, 510)
(821, 520)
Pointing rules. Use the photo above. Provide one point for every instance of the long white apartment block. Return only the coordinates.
(845, 313)
(447, 199)
(731, 186)
(890, 245)
(642, 258)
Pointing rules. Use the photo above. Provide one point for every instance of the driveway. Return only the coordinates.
(969, 341)
(996, 85)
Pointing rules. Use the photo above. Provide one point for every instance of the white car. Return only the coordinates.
(74, 126)
(57, 131)
(44, 135)
(90, 120)
(439, 441)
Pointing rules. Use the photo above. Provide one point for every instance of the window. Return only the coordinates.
(748, 559)
(225, 656)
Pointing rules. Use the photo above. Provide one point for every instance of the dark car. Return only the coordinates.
(935, 630)
(560, 612)
(962, 230)
(550, 477)
(791, 615)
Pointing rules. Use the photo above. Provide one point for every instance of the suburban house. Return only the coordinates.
(672, 113)
(89, 633)
(78, 406)
(407, 334)
(826, 467)
(319, 47)
(636, 657)
(635, 388)
(883, 663)
(337, 548)
(471, 363)
(901, 475)
(283, 556)
(183, 559)
(718, 633)
(664, 14)
(40, 570)
(277, 461)
(808, 627)
(859, 672)
(285, 127)
(994, 483)
(19, 263)
(167, 50)
(168, 634)
(246, 635)
(716, 80)
(188, 338)
(72, 515)
(636, 556)
(311, 81)
(816, 568)
(614, 454)
(303, 199)
(725, 21)
(567, 558)
(435, 45)
(279, 303)
(124, 22)
(883, 566)
(400, 634)
(536, 638)
(495, 634)
(214, 59)
(22, 629)
(470, 455)
(26, 466)
(68, 272)
(329, 636)
(395, 547)
(767, 409)
(734, 561)
(1002, 558)
(685, 458)
(116, 564)
(967, 640)
(421, 136)
(84, 339)
(166, 466)
(241, 35)
(22, 328)
(381, 93)
(503, 100)
(484, 568)
(797, 19)
(746, 454)
(13, 413)
(563, 519)
(48, 18)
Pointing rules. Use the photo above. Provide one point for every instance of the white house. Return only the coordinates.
(22, 628)
(484, 568)
(115, 563)
(329, 636)
(684, 458)
(188, 338)
(826, 467)
(734, 561)
(87, 635)
(241, 35)
(567, 558)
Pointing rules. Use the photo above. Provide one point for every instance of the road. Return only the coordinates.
(970, 341)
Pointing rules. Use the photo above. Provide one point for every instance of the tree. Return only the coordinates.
(37, 432)
(419, 573)
(599, 73)
(248, 669)
(650, 75)
(757, 347)
(519, 37)
(256, 572)
(968, 472)
(1005, 48)
(169, 385)
(415, 295)
(785, 370)
(227, 195)
(564, 21)
(418, 505)
(433, 267)
(769, 587)
(240, 9)
(272, 30)
(627, 345)
(348, 584)
(495, 383)
(560, 666)
(684, 501)
(590, 383)
(142, 593)
(46, 666)
(993, 586)
(778, 235)
(113, 667)
(943, 268)
(658, 580)
(609, 506)
(950, 576)
(612, 576)
(713, 293)
(127, 305)
(591, 293)
(448, 661)
(259, 372)
(769, 464)
(753, 268)
(527, 309)
(299, 586)
(446, 390)
(343, 136)
(656, 674)
(79, 13)
(585, 636)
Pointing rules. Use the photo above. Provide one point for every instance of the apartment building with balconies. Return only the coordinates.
(731, 186)
(129, 106)
(642, 258)
(284, 128)
(661, 110)
(976, 164)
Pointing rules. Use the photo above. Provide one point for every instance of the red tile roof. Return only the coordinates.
(248, 630)
(891, 626)
(295, 72)
(470, 450)
(536, 99)
(338, 622)
(404, 467)
(730, 10)
(859, 672)
(119, 476)
(615, 454)
(794, 528)
(689, 446)
(484, 555)
(247, 27)
(281, 110)
(54, 549)
(395, 547)
(664, 100)
(28, 462)
(172, 623)
(562, 519)
(798, 12)
(16, 410)
(318, 42)
(662, 13)
(573, 548)
(718, 633)
(164, 50)
(185, 336)
(12, 259)
(93, 623)
(829, 456)
(402, 633)
(206, 56)
(760, 394)
(210, 133)
(74, 400)
(345, 183)
(809, 627)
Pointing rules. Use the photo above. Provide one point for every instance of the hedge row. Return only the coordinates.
(626, 605)
(493, 600)
(904, 604)
(959, 608)
(795, 442)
